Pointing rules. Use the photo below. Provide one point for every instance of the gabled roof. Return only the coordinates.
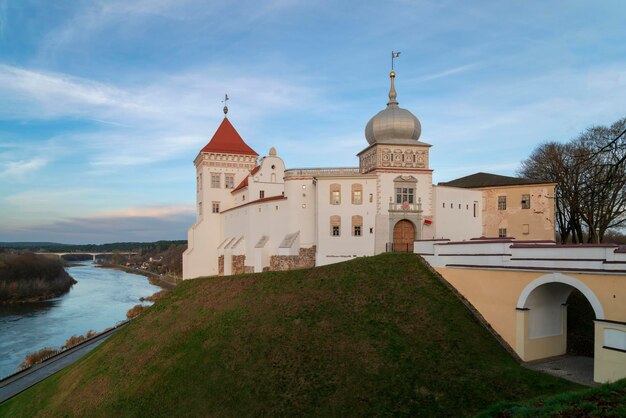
(478, 180)
(244, 182)
(227, 140)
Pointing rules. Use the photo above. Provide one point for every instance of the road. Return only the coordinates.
(22, 381)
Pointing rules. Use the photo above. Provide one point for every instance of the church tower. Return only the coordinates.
(221, 164)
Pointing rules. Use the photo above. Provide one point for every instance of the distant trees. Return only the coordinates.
(32, 277)
(590, 171)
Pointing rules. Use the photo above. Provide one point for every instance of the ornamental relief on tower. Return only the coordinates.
(367, 161)
(403, 157)
(396, 157)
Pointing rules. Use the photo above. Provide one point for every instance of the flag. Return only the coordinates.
(427, 222)
(395, 54)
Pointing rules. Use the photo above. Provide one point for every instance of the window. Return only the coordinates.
(475, 209)
(200, 208)
(199, 182)
(525, 229)
(357, 194)
(215, 180)
(502, 233)
(404, 194)
(459, 206)
(335, 194)
(357, 225)
(261, 194)
(501, 202)
(525, 201)
(335, 225)
(371, 197)
(229, 181)
(466, 207)
(371, 230)
(216, 207)
(444, 205)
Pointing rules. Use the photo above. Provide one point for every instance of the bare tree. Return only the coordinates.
(590, 171)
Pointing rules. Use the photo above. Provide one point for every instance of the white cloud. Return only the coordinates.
(444, 73)
(19, 170)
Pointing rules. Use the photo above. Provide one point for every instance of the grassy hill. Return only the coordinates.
(373, 336)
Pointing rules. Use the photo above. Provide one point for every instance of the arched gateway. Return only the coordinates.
(403, 236)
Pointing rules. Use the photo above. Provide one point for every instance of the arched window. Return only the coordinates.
(357, 225)
(335, 225)
(357, 194)
(335, 194)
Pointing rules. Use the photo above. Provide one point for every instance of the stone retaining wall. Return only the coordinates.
(305, 259)
(238, 264)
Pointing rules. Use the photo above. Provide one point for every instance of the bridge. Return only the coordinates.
(521, 289)
(94, 255)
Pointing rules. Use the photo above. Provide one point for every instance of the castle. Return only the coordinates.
(255, 215)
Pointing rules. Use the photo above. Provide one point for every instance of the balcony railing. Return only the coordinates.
(316, 172)
(404, 207)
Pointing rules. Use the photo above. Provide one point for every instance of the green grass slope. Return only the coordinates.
(373, 336)
(608, 400)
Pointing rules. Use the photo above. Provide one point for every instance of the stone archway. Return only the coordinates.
(543, 316)
(403, 236)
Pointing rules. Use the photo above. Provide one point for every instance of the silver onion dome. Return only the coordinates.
(393, 125)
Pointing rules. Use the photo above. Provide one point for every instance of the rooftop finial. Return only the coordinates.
(392, 75)
(225, 107)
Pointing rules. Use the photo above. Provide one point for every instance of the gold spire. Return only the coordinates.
(392, 90)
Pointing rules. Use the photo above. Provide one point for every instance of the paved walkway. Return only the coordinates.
(22, 381)
(573, 368)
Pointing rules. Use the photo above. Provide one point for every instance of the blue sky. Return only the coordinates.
(105, 103)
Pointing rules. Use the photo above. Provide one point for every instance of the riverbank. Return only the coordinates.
(153, 278)
(99, 300)
(29, 277)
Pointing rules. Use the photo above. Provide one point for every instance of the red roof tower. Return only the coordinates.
(228, 141)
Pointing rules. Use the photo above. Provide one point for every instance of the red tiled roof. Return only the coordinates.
(244, 182)
(262, 200)
(227, 140)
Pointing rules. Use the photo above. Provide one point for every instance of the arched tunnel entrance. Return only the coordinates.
(580, 326)
(556, 316)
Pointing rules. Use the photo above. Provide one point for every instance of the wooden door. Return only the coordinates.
(403, 236)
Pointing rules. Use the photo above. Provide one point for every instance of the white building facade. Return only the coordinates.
(255, 215)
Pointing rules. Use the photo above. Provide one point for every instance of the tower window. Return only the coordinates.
(261, 194)
(404, 194)
(215, 180)
(229, 181)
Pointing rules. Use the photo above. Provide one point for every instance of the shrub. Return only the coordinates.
(158, 295)
(37, 357)
(135, 311)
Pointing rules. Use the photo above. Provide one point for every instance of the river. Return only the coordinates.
(99, 300)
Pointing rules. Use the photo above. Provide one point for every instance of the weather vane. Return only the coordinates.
(393, 56)
(225, 106)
